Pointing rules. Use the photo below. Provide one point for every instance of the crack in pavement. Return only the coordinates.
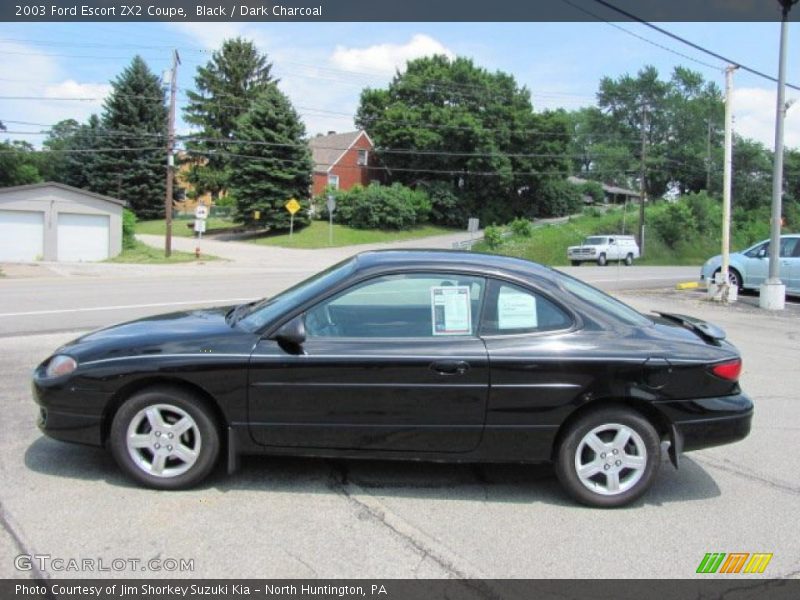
(16, 536)
(730, 467)
(406, 532)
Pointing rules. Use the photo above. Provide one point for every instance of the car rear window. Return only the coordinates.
(603, 301)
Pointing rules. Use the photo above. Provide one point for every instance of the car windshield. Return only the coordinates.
(265, 311)
(604, 301)
(594, 241)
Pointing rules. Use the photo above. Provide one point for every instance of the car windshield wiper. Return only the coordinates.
(238, 312)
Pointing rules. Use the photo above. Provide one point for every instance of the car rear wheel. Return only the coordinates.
(608, 457)
(165, 438)
(629, 259)
(601, 260)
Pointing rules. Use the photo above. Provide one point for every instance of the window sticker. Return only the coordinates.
(450, 309)
(516, 310)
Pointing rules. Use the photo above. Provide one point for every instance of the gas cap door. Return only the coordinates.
(657, 371)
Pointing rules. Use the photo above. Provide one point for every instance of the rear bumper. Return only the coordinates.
(709, 422)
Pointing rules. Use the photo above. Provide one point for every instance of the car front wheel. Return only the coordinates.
(601, 260)
(608, 457)
(734, 279)
(576, 263)
(165, 438)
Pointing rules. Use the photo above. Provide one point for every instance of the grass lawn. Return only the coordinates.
(316, 236)
(179, 226)
(144, 254)
(548, 244)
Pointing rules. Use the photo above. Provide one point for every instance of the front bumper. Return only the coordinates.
(709, 422)
(69, 413)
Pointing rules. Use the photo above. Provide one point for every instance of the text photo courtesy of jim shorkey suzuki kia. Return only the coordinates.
(333, 299)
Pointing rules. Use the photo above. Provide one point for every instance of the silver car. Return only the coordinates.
(750, 268)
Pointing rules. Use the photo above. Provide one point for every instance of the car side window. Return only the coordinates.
(511, 309)
(788, 247)
(754, 252)
(401, 306)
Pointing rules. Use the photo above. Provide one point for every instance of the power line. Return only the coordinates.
(692, 44)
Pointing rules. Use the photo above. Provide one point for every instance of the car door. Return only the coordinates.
(390, 364)
(755, 264)
(790, 263)
(534, 377)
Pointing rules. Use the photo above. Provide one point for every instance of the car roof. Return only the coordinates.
(455, 259)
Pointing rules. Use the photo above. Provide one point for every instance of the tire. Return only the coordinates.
(139, 442)
(629, 259)
(576, 263)
(600, 428)
(601, 260)
(734, 278)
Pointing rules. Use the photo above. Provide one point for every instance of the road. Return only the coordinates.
(98, 295)
(281, 517)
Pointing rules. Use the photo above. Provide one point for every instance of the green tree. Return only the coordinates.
(58, 142)
(751, 184)
(450, 121)
(273, 162)
(227, 86)
(19, 164)
(134, 125)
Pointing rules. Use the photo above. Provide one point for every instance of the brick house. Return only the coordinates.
(343, 160)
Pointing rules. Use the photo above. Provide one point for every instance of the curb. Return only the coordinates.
(689, 285)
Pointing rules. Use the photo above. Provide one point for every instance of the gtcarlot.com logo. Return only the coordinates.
(735, 562)
(47, 562)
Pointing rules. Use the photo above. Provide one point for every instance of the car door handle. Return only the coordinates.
(450, 367)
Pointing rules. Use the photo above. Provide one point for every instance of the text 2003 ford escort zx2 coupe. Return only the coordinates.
(445, 356)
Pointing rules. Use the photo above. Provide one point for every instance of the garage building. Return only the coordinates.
(57, 222)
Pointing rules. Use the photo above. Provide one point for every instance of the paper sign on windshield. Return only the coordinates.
(516, 310)
(450, 307)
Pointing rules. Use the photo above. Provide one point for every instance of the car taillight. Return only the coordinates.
(728, 370)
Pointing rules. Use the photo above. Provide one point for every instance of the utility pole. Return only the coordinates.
(773, 290)
(708, 156)
(721, 289)
(643, 176)
(173, 88)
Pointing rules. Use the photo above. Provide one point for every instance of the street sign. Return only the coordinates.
(201, 212)
(292, 206)
(331, 203)
(472, 225)
(200, 225)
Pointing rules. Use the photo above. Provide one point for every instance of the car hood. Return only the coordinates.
(191, 331)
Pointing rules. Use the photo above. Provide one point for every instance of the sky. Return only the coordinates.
(324, 66)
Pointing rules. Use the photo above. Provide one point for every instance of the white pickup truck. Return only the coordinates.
(603, 248)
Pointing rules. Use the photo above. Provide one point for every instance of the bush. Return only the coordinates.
(493, 237)
(707, 212)
(593, 189)
(446, 208)
(521, 227)
(674, 223)
(557, 198)
(128, 229)
(379, 207)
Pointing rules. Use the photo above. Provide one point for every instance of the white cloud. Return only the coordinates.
(754, 116)
(33, 74)
(386, 58)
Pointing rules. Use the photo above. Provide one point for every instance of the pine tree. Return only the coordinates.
(134, 126)
(227, 86)
(273, 162)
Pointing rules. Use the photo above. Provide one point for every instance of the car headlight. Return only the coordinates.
(60, 365)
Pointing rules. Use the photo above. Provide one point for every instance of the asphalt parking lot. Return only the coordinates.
(280, 517)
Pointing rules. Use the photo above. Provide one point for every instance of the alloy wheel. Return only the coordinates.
(610, 459)
(163, 440)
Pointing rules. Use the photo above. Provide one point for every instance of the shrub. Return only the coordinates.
(446, 208)
(593, 189)
(673, 223)
(128, 229)
(521, 227)
(493, 236)
(379, 207)
(707, 212)
(557, 198)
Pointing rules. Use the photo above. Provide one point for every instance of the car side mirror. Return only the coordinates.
(762, 253)
(291, 334)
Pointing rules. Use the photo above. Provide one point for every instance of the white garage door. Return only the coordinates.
(82, 237)
(21, 235)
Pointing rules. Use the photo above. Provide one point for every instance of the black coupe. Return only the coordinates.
(420, 355)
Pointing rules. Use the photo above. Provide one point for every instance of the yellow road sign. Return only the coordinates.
(292, 206)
